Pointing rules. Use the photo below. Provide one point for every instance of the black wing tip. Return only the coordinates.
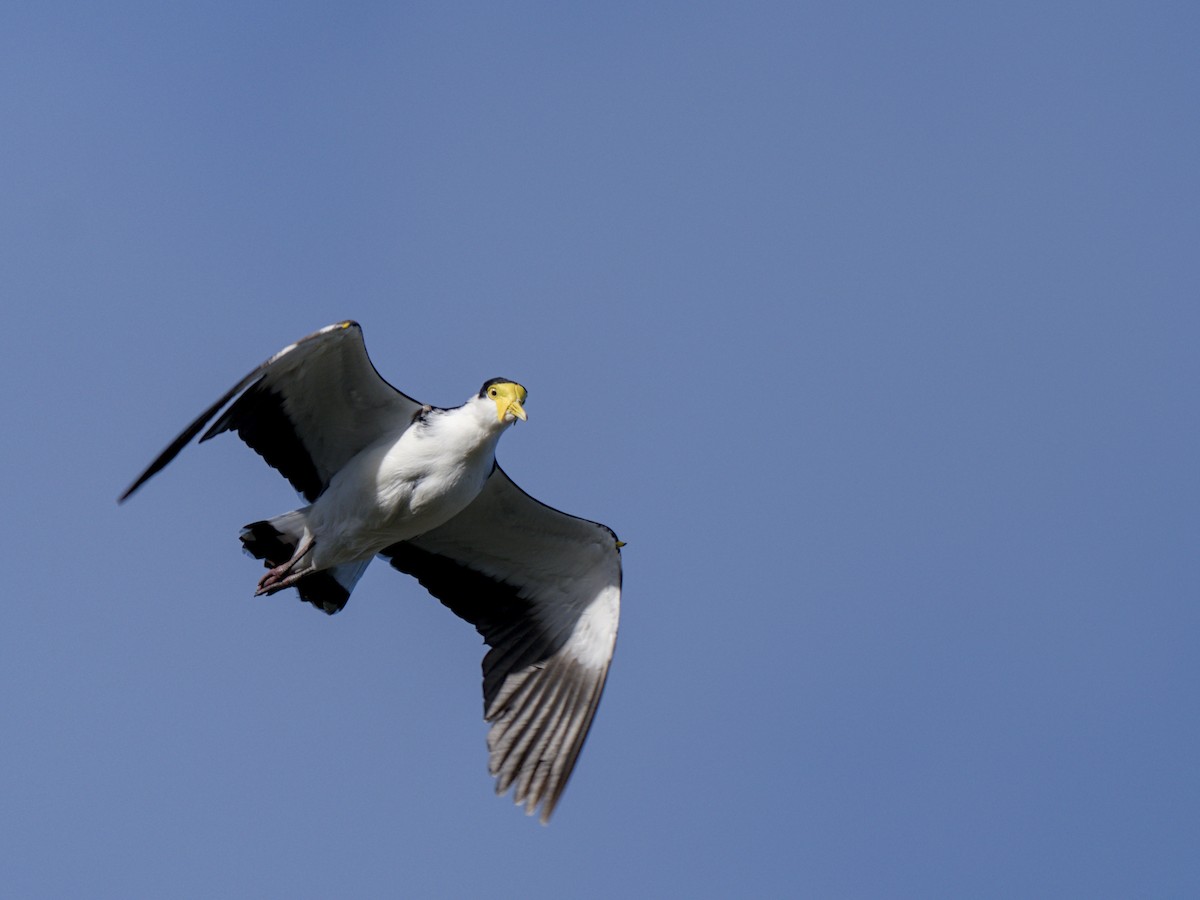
(223, 424)
(158, 465)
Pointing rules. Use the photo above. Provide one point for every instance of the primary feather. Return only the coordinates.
(420, 486)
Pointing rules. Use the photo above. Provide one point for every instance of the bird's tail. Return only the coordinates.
(275, 541)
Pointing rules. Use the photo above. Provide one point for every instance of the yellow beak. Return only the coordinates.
(508, 398)
(517, 410)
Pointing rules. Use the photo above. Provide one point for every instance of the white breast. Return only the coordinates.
(397, 490)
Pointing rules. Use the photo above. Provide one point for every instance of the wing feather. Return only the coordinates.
(307, 410)
(543, 588)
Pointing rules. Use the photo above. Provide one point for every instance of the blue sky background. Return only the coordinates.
(871, 327)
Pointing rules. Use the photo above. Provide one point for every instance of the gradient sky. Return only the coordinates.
(872, 328)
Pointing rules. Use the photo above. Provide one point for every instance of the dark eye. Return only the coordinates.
(492, 392)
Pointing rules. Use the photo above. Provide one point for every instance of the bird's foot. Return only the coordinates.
(271, 583)
(286, 575)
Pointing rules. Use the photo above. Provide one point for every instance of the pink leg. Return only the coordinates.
(283, 576)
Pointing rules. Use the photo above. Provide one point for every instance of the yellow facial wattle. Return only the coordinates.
(508, 397)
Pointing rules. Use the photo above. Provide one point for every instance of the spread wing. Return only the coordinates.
(307, 410)
(544, 590)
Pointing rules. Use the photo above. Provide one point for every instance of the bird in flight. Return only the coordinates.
(419, 486)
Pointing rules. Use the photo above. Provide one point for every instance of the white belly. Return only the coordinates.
(395, 492)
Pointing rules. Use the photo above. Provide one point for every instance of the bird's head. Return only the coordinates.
(508, 397)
